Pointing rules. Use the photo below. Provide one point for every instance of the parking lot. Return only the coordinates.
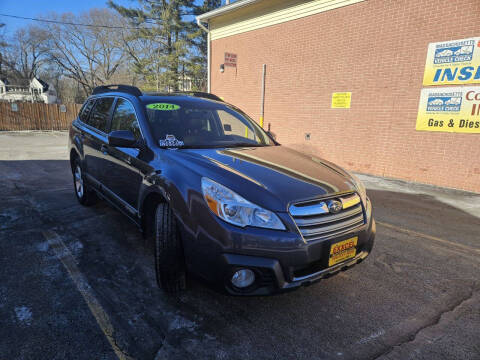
(78, 283)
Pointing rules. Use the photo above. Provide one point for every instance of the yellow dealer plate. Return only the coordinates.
(342, 251)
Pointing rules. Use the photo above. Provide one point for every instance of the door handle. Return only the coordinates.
(128, 160)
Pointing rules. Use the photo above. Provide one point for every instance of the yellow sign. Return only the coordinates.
(450, 109)
(453, 62)
(341, 100)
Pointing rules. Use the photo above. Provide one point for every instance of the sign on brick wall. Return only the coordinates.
(341, 100)
(230, 59)
(453, 62)
(450, 109)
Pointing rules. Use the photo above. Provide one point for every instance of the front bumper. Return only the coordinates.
(272, 278)
(282, 261)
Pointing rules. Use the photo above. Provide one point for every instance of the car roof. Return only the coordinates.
(132, 91)
(193, 100)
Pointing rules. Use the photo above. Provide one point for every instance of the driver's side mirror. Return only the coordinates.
(122, 138)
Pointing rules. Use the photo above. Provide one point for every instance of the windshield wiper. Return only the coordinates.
(214, 146)
(245, 144)
(199, 146)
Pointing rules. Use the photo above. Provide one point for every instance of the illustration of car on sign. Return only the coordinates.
(220, 199)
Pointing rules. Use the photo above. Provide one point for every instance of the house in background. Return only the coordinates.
(36, 90)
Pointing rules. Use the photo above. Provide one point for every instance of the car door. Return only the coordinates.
(95, 139)
(124, 171)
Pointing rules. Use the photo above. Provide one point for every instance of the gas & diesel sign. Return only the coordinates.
(450, 109)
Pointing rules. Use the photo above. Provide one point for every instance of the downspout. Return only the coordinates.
(262, 112)
(199, 23)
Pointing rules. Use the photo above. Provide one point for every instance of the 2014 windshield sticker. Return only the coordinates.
(163, 106)
(170, 141)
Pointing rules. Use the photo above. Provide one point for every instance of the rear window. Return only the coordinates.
(100, 113)
(85, 111)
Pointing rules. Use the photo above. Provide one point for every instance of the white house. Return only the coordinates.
(37, 91)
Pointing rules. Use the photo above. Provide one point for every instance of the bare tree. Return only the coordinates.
(25, 53)
(89, 55)
(3, 46)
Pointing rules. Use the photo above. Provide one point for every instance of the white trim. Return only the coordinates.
(224, 9)
(209, 65)
(269, 18)
(208, 50)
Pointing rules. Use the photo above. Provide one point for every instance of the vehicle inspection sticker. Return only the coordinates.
(170, 141)
(163, 106)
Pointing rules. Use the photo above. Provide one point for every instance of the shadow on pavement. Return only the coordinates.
(378, 306)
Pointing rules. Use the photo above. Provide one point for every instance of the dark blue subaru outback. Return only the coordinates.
(219, 197)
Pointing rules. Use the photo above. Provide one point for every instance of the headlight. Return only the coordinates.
(360, 187)
(234, 209)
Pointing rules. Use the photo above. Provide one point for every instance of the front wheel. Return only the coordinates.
(169, 258)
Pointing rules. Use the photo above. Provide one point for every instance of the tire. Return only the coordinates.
(169, 258)
(84, 195)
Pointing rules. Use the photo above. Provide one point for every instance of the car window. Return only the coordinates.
(124, 118)
(198, 120)
(202, 124)
(85, 111)
(99, 117)
(231, 126)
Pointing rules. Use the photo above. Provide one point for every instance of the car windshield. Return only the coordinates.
(193, 124)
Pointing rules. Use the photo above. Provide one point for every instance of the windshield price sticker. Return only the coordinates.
(163, 106)
(170, 141)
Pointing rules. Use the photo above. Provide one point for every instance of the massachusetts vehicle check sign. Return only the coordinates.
(450, 109)
(453, 62)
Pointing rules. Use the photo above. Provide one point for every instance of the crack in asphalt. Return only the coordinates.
(409, 338)
(467, 248)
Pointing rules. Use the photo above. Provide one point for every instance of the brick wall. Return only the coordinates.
(376, 49)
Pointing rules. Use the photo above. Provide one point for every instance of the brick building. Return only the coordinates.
(375, 49)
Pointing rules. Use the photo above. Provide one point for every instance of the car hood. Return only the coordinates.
(270, 176)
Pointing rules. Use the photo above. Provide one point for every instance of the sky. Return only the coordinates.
(36, 8)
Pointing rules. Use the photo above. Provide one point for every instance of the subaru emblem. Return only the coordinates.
(334, 206)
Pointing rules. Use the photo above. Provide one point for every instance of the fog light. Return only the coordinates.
(243, 278)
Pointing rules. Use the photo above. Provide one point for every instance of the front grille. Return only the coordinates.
(315, 221)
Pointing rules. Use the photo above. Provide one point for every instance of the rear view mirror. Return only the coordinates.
(122, 138)
(227, 127)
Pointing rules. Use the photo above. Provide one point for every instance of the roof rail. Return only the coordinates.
(201, 94)
(132, 90)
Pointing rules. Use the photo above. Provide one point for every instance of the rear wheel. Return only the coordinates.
(169, 258)
(84, 195)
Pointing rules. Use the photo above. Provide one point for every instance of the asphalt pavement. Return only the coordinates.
(78, 283)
